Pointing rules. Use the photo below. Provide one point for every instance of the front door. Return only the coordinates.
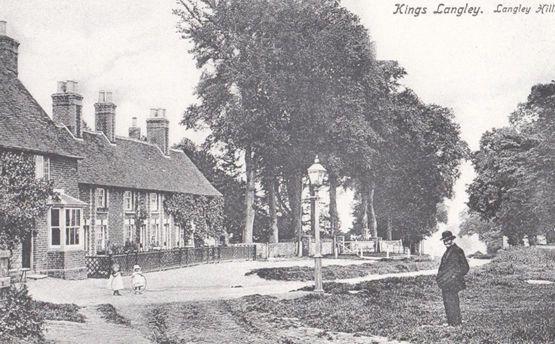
(26, 252)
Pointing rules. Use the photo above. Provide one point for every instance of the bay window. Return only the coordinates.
(65, 228)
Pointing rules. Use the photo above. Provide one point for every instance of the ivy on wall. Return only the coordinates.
(198, 216)
(23, 198)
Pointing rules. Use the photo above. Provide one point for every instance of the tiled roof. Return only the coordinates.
(134, 164)
(25, 126)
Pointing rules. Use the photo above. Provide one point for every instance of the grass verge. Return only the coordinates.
(334, 272)
(110, 314)
(499, 306)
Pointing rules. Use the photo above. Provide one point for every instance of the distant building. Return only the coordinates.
(104, 181)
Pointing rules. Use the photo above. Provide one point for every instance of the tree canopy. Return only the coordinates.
(286, 80)
(23, 198)
(515, 169)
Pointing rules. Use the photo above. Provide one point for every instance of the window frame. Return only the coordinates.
(129, 230)
(74, 229)
(154, 199)
(50, 228)
(128, 198)
(42, 167)
(101, 236)
(102, 207)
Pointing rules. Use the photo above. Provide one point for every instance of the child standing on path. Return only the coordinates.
(138, 280)
(115, 282)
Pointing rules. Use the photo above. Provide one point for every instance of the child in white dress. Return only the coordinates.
(115, 282)
(138, 280)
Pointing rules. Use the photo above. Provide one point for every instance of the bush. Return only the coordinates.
(18, 318)
(54, 311)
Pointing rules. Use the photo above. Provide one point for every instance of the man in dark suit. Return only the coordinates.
(450, 278)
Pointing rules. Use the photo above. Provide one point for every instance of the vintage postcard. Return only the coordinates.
(277, 171)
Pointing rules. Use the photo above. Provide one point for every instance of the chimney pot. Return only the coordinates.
(134, 121)
(71, 86)
(61, 86)
(108, 96)
(153, 113)
(101, 96)
(3, 27)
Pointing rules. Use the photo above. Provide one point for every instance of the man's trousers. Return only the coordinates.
(452, 307)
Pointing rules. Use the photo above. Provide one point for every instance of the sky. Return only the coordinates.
(480, 66)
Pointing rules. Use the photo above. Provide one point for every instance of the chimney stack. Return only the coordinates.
(157, 129)
(134, 130)
(105, 115)
(8, 50)
(66, 106)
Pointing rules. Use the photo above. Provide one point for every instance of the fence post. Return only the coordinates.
(160, 260)
(180, 257)
(110, 263)
(254, 252)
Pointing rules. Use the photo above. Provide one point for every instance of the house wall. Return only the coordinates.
(58, 263)
(116, 217)
(63, 171)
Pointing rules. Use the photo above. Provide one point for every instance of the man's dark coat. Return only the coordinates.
(452, 269)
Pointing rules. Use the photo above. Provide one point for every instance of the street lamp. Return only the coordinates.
(316, 174)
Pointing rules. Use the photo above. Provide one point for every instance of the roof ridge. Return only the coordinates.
(144, 142)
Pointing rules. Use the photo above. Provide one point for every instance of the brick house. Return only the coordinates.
(103, 180)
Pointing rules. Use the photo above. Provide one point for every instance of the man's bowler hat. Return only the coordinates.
(447, 235)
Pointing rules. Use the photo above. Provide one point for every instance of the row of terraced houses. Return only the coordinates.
(101, 178)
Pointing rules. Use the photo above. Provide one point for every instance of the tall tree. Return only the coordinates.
(515, 169)
(277, 75)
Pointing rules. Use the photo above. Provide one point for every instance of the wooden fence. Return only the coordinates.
(99, 266)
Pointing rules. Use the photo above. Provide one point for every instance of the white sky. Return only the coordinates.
(481, 67)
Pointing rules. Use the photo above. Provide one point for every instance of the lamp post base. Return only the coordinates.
(318, 286)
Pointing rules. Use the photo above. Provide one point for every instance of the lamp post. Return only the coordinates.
(316, 174)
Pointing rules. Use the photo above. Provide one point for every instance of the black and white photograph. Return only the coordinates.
(277, 171)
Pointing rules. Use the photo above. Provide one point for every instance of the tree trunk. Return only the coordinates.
(249, 197)
(272, 205)
(372, 220)
(389, 233)
(364, 204)
(295, 189)
(334, 217)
